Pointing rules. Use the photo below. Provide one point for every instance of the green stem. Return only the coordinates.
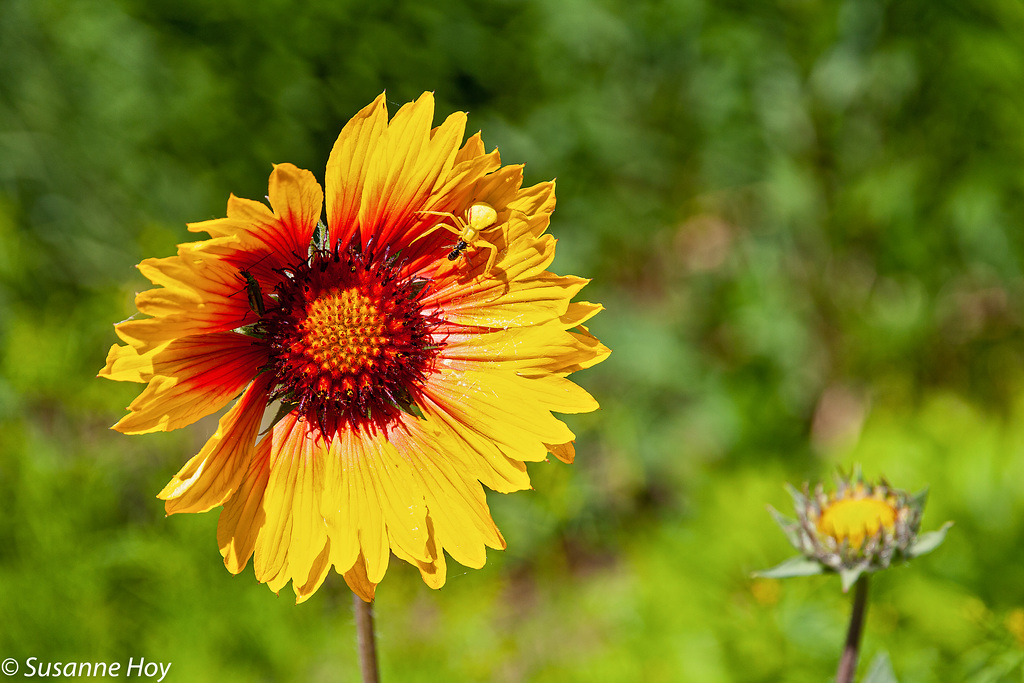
(366, 640)
(848, 662)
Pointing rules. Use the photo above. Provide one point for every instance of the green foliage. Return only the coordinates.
(803, 218)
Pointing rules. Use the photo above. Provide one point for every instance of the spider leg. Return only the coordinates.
(449, 228)
(492, 256)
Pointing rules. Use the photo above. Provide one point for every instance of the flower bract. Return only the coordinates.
(384, 375)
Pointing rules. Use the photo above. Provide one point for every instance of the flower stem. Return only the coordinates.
(848, 662)
(366, 639)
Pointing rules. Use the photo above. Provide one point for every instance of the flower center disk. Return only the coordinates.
(344, 334)
(350, 345)
(856, 519)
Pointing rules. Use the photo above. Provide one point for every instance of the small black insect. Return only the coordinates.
(252, 287)
(480, 218)
(460, 247)
(255, 294)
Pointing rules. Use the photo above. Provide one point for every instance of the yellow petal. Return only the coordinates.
(460, 187)
(432, 571)
(518, 292)
(538, 200)
(358, 581)
(210, 477)
(399, 496)
(127, 364)
(197, 376)
(293, 531)
(317, 574)
(297, 200)
(497, 465)
(366, 512)
(565, 452)
(409, 160)
(473, 148)
(243, 516)
(348, 165)
(460, 518)
(226, 227)
(372, 503)
(199, 291)
(337, 507)
(547, 348)
(500, 187)
(511, 407)
(286, 228)
(589, 351)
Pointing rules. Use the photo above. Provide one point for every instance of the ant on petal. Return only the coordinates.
(480, 217)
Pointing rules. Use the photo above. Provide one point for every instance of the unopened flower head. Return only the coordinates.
(407, 353)
(860, 527)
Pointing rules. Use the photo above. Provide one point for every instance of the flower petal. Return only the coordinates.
(513, 411)
(210, 477)
(538, 200)
(199, 291)
(372, 504)
(566, 452)
(357, 580)
(516, 292)
(193, 377)
(336, 505)
(541, 348)
(317, 574)
(398, 495)
(243, 515)
(461, 520)
(128, 364)
(347, 168)
(293, 534)
(500, 187)
(464, 183)
(498, 466)
(365, 514)
(474, 147)
(296, 201)
(406, 164)
(434, 570)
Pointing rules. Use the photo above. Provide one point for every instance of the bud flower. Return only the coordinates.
(861, 527)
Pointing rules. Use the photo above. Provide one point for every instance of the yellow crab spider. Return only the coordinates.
(480, 217)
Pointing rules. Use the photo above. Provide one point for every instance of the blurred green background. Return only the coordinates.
(804, 219)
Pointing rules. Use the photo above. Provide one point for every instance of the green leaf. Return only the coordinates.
(928, 542)
(850, 576)
(880, 670)
(920, 498)
(799, 499)
(789, 527)
(794, 566)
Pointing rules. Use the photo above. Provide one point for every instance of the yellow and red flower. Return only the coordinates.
(402, 376)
